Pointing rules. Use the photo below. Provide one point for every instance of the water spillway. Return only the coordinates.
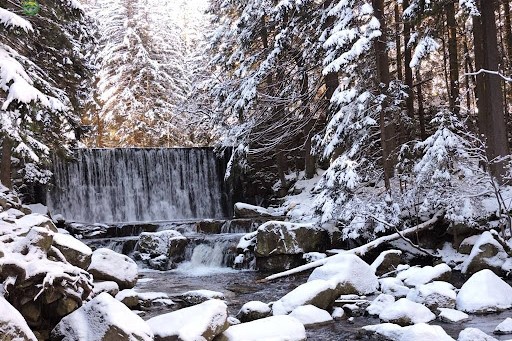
(139, 184)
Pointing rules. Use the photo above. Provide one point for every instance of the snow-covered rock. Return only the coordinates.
(108, 265)
(309, 315)
(467, 244)
(379, 303)
(504, 327)
(350, 273)
(35, 219)
(474, 334)
(417, 332)
(164, 248)
(451, 315)
(134, 300)
(393, 286)
(194, 297)
(317, 292)
(243, 210)
(254, 310)
(274, 328)
(404, 312)
(109, 287)
(434, 295)
(387, 261)
(12, 324)
(102, 319)
(484, 292)
(200, 322)
(338, 313)
(75, 252)
(487, 253)
(415, 276)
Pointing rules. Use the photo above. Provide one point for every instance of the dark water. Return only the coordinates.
(240, 287)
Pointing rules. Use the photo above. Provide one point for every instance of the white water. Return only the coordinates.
(207, 259)
(121, 185)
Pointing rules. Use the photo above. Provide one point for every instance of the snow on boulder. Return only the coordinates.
(387, 261)
(487, 253)
(36, 219)
(254, 310)
(169, 245)
(379, 303)
(474, 334)
(451, 315)
(12, 324)
(417, 332)
(434, 295)
(415, 276)
(200, 322)
(393, 286)
(404, 312)
(274, 328)
(75, 252)
(504, 327)
(109, 287)
(243, 210)
(102, 319)
(194, 297)
(318, 292)
(108, 265)
(484, 292)
(309, 315)
(350, 273)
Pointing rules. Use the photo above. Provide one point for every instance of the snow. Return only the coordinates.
(274, 328)
(407, 310)
(504, 327)
(484, 292)
(379, 304)
(93, 319)
(257, 306)
(313, 256)
(247, 241)
(301, 295)
(437, 288)
(393, 286)
(143, 296)
(260, 210)
(378, 261)
(417, 332)
(415, 276)
(38, 208)
(348, 270)
(71, 243)
(114, 265)
(13, 324)
(474, 334)
(486, 238)
(310, 315)
(33, 219)
(188, 324)
(452, 315)
(105, 286)
(10, 19)
(204, 294)
(338, 313)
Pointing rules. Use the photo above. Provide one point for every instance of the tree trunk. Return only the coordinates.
(409, 103)
(453, 57)
(398, 43)
(5, 165)
(491, 120)
(421, 110)
(387, 131)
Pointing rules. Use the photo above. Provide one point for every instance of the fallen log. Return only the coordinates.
(361, 250)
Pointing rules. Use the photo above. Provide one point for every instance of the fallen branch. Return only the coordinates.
(361, 250)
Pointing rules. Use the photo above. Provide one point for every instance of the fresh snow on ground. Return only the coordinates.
(310, 315)
(484, 292)
(274, 328)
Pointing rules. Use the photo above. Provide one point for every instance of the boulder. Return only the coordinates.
(36, 219)
(309, 315)
(102, 319)
(12, 324)
(253, 310)
(504, 328)
(405, 312)
(387, 261)
(393, 286)
(474, 334)
(484, 292)
(467, 244)
(75, 252)
(142, 300)
(379, 304)
(200, 322)
(319, 293)
(350, 273)
(165, 248)
(416, 275)
(487, 253)
(194, 297)
(270, 328)
(434, 295)
(109, 287)
(108, 265)
(417, 332)
(243, 210)
(451, 315)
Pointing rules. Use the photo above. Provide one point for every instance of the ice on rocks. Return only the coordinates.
(350, 273)
(379, 303)
(12, 324)
(484, 292)
(417, 332)
(404, 312)
(274, 328)
(317, 292)
(111, 266)
(474, 334)
(452, 315)
(415, 276)
(393, 286)
(200, 322)
(99, 317)
(504, 327)
(309, 315)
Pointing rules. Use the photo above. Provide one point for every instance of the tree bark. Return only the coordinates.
(453, 57)
(421, 109)
(398, 43)
(491, 119)
(5, 163)
(409, 102)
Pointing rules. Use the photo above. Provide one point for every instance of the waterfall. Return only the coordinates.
(139, 184)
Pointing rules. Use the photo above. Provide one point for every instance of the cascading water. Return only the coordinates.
(138, 184)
